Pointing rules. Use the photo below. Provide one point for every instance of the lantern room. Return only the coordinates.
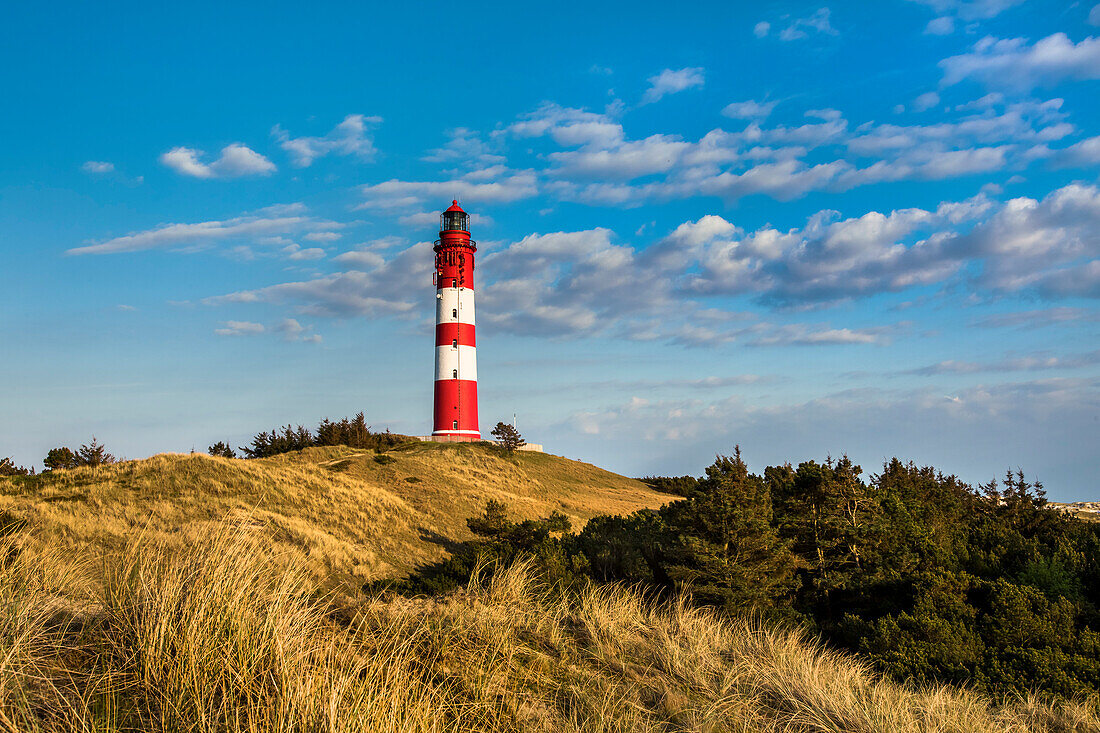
(454, 219)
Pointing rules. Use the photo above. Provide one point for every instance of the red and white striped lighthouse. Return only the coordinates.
(455, 353)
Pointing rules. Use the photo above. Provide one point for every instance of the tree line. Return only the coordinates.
(929, 578)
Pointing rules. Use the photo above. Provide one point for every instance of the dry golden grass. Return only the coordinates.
(225, 636)
(340, 514)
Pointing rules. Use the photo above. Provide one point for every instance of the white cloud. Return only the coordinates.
(396, 194)
(1094, 15)
(236, 161)
(465, 145)
(925, 101)
(292, 330)
(361, 259)
(1013, 64)
(98, 167)
(1037, 423)
(393, 289)
(802, 27)
(748, 110)
(761, 29)
(970, 10)
(322, 236)
(941, 26)
(350, 137)
(1030, 363)
(671, 82)
(270, 222)
(1026, 320)
(297, 253)
(240, 328)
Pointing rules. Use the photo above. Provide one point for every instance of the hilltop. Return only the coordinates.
(348, 515)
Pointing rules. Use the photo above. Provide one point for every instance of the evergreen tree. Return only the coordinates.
(221, 449)
(830, 516)
(724, 548)
(61, 459)
(94, 454)
(509, 438)
(8, 468)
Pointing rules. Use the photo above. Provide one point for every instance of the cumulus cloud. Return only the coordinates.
(1014, 64)
(351, 137)
(292, 330)
(761, 29)
(598, 161)
(1050, 245)
(236, 160)
(240, 328)
(672, 81)
(270, 222)
(98, 167)
(297, 252)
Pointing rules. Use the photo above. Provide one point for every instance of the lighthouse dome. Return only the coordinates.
(454, 218)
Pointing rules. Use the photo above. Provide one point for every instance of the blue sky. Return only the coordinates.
(811, 229)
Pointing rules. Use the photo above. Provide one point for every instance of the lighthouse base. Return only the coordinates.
(454, 437)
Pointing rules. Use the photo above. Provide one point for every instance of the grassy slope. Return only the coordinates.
(336, 511)
(218, 638)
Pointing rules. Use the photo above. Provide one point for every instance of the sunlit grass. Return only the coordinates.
(224, 635)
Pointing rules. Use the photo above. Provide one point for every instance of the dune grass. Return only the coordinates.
(226, 636)
(342, 515)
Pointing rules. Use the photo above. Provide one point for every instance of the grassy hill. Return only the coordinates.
(346, 515)
(217, 636)
(190, 593)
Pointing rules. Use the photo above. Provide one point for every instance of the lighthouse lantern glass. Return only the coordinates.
(454, 220)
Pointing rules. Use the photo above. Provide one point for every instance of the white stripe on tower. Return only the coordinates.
(455, 305)
(452, 359)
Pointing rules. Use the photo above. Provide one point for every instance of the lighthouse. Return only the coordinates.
(455, 353)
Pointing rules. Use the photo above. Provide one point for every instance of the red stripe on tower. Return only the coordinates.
(455, 415)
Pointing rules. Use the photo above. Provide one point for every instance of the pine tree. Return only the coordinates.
(8, 468)
(61, 459)
(509, 438)
(221, 449)
(94, 454)
(724, 548)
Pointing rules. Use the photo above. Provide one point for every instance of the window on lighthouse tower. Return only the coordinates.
(454, 343)
(454, 374)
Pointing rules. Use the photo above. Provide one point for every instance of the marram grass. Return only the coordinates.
(222, 636)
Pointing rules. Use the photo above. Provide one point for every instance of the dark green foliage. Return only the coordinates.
(720, 541)
(90, 454)
(60, 459)
(94, 454)
(509, 437)
(354, 433)
(8, 468)
(221, 449)
(678, 485)
(931, 579)
(500, 542)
